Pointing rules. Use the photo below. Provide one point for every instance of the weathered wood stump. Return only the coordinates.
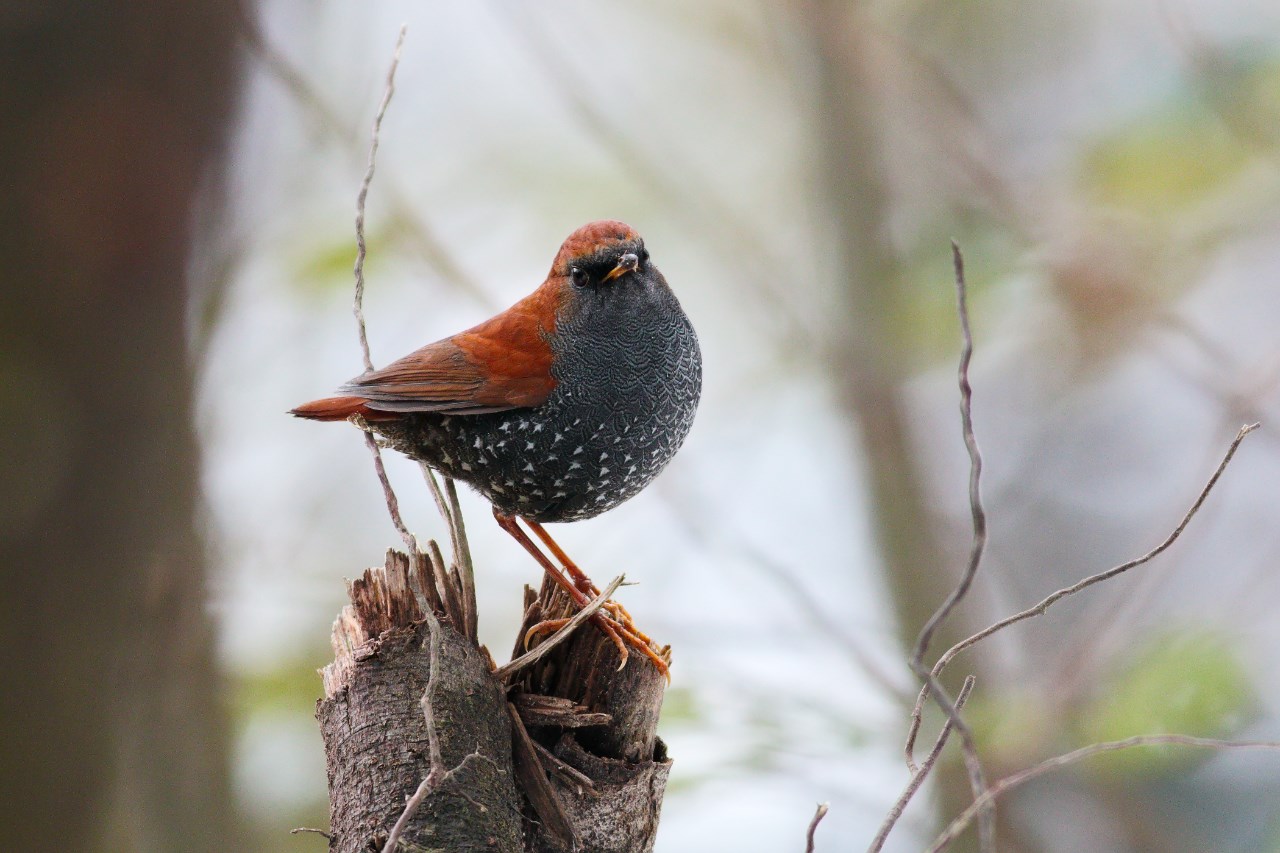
(563, 757)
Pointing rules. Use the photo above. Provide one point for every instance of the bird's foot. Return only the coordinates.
(622, 635)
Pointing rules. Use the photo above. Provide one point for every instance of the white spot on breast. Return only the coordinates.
(537, 427)
(578, 450)
(466, 466)
(528, 466)
(604, 456)
(573, 465)
(528, 445)
(603, 471)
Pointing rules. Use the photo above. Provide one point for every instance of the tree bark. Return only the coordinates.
(624, 759)
(564, 757)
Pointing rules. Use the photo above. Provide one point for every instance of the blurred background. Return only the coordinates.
(177, 244)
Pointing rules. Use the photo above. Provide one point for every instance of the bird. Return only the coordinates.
(557, 409)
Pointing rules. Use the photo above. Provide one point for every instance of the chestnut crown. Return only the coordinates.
(599, 252)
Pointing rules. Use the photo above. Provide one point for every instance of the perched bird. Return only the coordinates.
(558, 409)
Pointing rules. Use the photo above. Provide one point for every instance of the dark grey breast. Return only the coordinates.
(628, 376)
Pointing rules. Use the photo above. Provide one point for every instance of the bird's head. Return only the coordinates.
(600, 254)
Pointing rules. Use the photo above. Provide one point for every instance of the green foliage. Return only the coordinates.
(1191, 684)
(1161, 165)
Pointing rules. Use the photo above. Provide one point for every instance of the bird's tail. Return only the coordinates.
(339, 409)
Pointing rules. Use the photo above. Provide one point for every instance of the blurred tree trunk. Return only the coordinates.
(112, 114)
(868, 349)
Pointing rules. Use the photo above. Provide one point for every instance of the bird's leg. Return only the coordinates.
(615, 631)
(580, 577)
(508, 523)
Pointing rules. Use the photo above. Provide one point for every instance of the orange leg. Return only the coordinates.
(616, 631)
(584, 583)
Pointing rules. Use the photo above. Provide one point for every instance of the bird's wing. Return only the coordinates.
(503, 363)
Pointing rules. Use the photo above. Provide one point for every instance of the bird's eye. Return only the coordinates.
(579, 276)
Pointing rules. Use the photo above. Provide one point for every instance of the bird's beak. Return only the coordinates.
(627, 263)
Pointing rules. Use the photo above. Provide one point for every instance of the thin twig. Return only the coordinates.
(975, 476)
(301, 829)
(919, 776)
(1013, 780)
(1040, 608)
(393, 504)
(931, 683)
(451, 513)
(462, 554)
(429, 474)
(328, 119)
(818, 815)
(436, 774)
(510, 668)
(361, 249)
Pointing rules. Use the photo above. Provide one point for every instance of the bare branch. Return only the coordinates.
(1040, 608)
(918, 777)
(512, 667)
(451, 512)
(462, 554)
(931, 684)
(975, 475)
(436, 773)
(1013, 780)
(818, 815)
(361, 250)
(393, 504)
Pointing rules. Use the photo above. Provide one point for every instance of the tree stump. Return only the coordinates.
(563, 757)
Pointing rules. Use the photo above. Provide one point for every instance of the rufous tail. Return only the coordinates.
(339, 409)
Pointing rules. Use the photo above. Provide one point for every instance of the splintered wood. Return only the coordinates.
(563, 757)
